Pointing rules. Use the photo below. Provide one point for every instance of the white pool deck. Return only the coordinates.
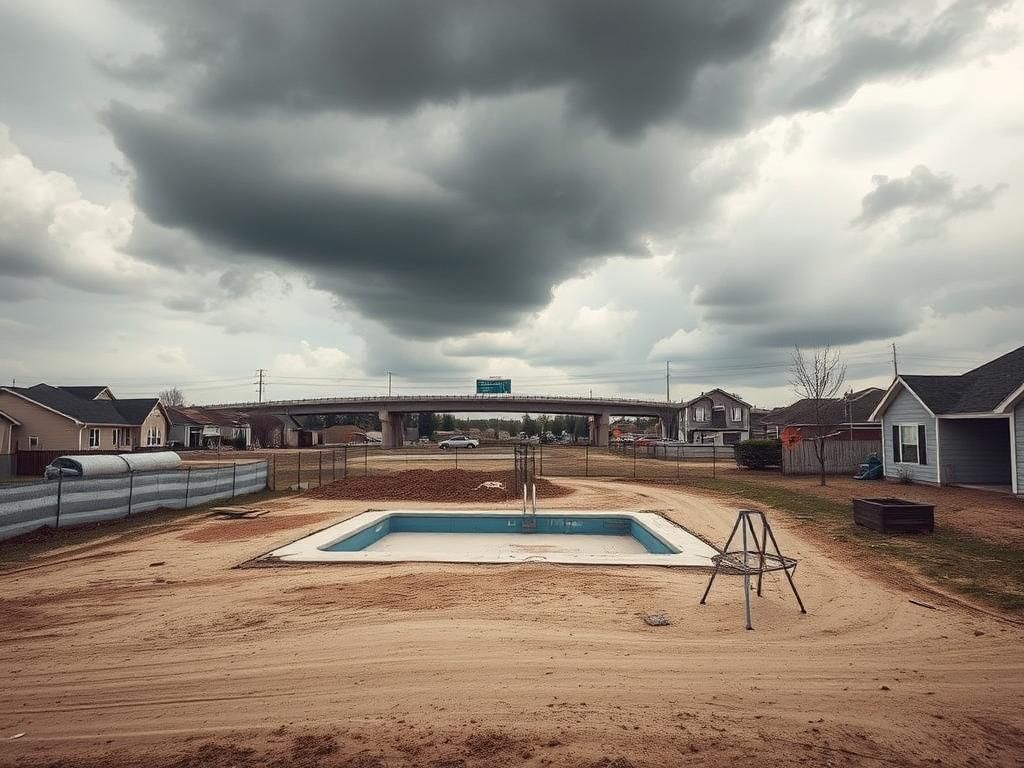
(566, 549)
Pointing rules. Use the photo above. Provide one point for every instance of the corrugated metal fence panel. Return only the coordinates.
(24, 507)
(93, 498)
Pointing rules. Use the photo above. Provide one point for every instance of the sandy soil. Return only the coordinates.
(149, 648)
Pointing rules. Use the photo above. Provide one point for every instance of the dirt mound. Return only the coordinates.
(433, 485)
(488, 743)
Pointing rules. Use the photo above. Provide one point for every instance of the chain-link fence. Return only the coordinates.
(299, 469)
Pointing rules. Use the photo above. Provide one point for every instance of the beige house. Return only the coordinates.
(49, 418)
(7, 425)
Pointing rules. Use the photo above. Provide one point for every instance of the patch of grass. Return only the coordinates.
(953, 560)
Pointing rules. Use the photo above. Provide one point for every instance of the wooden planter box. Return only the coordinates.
(894, 515)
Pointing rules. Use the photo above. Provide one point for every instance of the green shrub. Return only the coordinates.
(758, 454)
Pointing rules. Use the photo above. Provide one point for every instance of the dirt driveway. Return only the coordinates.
(149, 648)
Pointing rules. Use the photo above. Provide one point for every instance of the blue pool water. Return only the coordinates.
(502, 524)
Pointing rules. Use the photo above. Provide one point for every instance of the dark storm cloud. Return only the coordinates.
(922, 190)
(810, 328)
(627, 63)
(476, 237)
(441, 166)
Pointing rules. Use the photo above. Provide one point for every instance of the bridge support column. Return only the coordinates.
(392, 429)
(668, 426)
(600, 424)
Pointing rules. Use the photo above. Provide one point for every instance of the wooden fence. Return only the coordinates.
(842, 457)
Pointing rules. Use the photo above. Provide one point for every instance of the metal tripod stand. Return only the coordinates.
(749, 562)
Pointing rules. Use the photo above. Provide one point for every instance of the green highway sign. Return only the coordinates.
(494, 386)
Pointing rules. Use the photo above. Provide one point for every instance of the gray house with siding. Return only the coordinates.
(715, 418)
(957, 430)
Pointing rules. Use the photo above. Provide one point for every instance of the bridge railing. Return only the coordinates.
(381, 399)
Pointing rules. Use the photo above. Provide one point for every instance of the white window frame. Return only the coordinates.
(915, 429)
(700, 413)
(94, 437)
(33, 441)
(737, 414)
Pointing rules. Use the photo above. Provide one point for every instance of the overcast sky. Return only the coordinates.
(568, 193)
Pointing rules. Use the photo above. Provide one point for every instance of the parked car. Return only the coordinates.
(459, 441)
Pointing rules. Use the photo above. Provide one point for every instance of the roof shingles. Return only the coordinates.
(856, 408)
(131, 412)
(978, 391)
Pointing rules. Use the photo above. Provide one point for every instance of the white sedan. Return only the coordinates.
(459, 441)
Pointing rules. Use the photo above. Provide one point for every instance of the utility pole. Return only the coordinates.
(895, 368)
(260, 372)
(389, 383)
(668, 378)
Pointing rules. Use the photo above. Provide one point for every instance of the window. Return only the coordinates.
(909, 444)
(737, 414)
(94, 438)
(115, 436)
(153, 436)
(33, 441)
(700, 413)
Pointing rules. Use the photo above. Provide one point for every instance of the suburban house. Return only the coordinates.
(845, 418)
(196, 427)
(7, 426)
(715, 418)
(958, 430)
(282, 431)
(79, 418)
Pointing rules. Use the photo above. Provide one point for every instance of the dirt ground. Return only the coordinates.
(995, 517)
(442, 485)
(148, 647)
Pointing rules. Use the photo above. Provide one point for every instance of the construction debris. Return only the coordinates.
(237, 513)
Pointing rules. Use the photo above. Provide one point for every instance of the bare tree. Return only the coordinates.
(819, 379)
(172, 397)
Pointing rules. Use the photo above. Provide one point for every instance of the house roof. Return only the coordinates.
(87, 393)
(737, 398)
(853, 408)
(131, 412)
(202, 416)
(983, 389)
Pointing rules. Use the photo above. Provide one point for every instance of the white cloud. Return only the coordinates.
(47, 229)
(312, 361)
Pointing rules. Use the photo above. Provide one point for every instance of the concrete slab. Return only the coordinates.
(568, 549)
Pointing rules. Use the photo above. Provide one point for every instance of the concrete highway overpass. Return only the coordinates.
(391, 409)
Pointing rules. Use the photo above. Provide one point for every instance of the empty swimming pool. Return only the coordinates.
(501, 536)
